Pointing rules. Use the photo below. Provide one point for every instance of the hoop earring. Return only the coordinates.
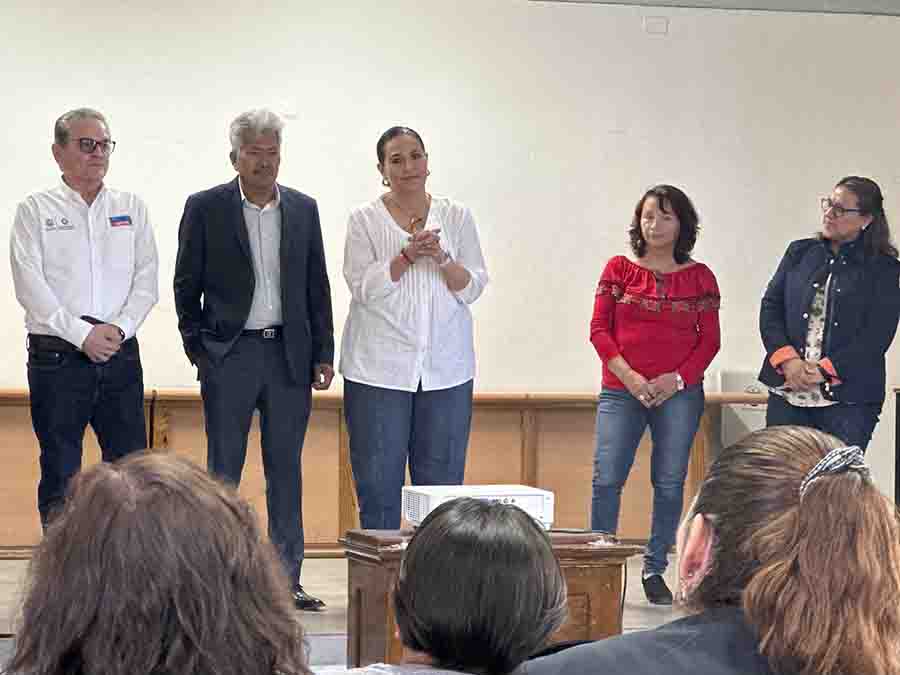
(385, 182)
(427, 172)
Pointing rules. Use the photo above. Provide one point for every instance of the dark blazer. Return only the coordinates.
(214, 279)
(715, 642)
(863, 309)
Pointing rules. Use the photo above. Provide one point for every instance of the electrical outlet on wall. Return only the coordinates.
(656, 25)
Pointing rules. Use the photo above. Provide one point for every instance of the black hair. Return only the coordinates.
(877, 236)
(480, 589)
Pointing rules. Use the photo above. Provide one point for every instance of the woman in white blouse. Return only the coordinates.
(413, 263)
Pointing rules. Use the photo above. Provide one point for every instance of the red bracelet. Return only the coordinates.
(408, 259)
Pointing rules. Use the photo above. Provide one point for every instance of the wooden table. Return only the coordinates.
(592, 566)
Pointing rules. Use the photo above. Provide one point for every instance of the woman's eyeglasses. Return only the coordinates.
(835, 208)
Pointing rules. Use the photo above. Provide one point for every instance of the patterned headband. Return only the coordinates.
(838, 460)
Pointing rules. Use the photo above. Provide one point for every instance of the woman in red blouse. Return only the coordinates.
(656, 328)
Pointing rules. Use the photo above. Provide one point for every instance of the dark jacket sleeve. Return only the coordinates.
(319, 296)
(772, 325)
(877, 333)
(189, 264)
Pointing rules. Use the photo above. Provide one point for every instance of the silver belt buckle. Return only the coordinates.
(268, 333)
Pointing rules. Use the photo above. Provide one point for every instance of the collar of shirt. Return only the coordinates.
(274, 204)
(853, 250)
(74, 195)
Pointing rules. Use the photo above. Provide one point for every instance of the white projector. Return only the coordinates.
(420, 500)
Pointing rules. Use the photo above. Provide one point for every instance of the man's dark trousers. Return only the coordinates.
(67, 393)
(254, 376)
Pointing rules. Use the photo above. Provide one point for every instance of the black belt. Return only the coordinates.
(271, 333)
(49, 343)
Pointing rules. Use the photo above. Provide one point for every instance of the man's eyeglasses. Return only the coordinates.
(88, 145)
(835, 208)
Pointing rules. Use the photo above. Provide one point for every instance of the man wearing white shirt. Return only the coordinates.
(84, 265)
(254, 310)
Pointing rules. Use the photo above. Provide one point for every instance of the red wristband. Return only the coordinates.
(408, 259)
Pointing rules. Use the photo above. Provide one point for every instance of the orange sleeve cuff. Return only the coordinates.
(829, 368)
(781, 355)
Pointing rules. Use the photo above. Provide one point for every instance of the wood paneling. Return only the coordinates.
(545, 440)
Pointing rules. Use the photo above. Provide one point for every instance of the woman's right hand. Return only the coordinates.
(798, 377)
(424, 244)
(638, 386)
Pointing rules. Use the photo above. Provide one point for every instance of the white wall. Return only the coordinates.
(549, 120)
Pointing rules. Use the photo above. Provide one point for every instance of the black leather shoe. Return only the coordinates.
(306, 602)
(656, 590)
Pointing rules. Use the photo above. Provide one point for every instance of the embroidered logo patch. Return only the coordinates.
(50, 225)
(120, 221)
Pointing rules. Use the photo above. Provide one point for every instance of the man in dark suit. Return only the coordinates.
(254, 311)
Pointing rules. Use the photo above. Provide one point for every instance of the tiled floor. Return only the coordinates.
(327, 579)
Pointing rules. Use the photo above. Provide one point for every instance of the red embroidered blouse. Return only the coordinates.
(656, 326)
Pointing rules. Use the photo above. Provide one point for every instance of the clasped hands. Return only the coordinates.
(651, 393)
(800, 375)
(425, 244)
(102, 342)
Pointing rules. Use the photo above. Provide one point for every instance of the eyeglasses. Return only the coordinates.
(88, 145)
(835, 208)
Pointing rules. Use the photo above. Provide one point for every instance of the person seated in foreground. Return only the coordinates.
(789, 563)
(155, 568)
(479, 591)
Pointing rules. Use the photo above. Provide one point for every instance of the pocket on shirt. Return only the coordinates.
(118, 252)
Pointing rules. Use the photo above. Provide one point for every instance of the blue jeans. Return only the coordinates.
(387, 427)
(621, 420)
(853, 423)
(68, 392)
(254, 376)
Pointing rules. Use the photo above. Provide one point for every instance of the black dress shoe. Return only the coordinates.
(306, 602)
(656, 590)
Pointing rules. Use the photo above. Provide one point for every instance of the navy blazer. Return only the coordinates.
(714, 642)
(214, 279)
(863, 310)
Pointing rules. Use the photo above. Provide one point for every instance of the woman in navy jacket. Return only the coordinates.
(829, 315)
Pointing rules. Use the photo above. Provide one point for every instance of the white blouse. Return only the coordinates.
(416, 329)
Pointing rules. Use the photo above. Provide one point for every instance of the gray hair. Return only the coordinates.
(61, 128)
(251, 124)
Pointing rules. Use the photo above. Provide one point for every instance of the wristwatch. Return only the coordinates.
(679, 381)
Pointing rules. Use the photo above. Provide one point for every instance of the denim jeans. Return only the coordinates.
(68, 391)
(853, 423)
(621, 421)
(254, 376)
(387, 427)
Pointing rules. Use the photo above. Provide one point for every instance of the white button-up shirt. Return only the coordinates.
(71, 260)
(416, 329)
(264, 230)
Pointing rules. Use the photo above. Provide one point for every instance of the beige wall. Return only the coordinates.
(547, 119)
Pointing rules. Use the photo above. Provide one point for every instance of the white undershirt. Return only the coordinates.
(264, 232)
